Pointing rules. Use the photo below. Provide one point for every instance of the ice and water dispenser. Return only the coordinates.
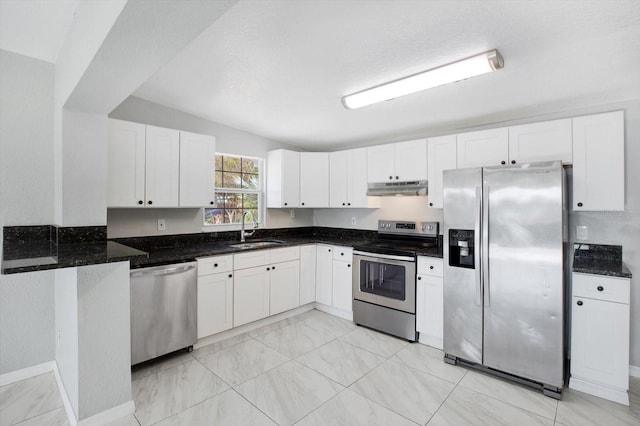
(461, 248)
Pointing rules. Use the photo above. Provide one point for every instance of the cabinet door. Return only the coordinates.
(314, 179)
(215, 303)
(600, 342)
(381, 163)
(283, 178)
(441, 156)
(429, 310)
(126, 158)
(357, 180)
(411, 160)
(197, 170)
(307, 274)
(324, 274)
(284, 287)
(483, 148)
(250, 295)
(598, 162)
(342, 297)
(546, 141)
(162, 167)
(338, 179)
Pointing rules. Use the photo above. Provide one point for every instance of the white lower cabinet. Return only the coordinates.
(268, 284)
(284, 286)
(429, 301)
(215, 295)
(250, 295)
(307, 274)
(600, 336)
(334, 277)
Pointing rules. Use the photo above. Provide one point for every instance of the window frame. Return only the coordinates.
(261, 219)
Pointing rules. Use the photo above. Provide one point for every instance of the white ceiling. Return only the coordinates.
(35, 28)
(279, 68)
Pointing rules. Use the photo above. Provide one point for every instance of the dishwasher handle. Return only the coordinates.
(162, 271)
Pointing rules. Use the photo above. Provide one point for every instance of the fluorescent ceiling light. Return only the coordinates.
(456, 71)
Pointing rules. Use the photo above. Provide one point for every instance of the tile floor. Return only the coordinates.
(316, 369)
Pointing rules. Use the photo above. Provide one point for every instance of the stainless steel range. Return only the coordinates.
(384, 276)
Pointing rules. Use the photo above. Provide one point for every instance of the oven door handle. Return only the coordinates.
(384, 256)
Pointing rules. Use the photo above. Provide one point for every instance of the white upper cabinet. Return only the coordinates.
(483, 148)
(314, 179)
(441, 156)
(598, 162)
(162, 172)
(402, 161)
(283, 178)
(546, 141)
(348, 179)
(126, 159)
(197, 170)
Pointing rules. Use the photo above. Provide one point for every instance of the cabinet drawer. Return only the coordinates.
(284, 254)
(430, 266)
(250, 259)
(214, 265)
(342, 253)
(601, 287)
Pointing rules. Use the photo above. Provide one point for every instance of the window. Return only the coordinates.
(238, 184)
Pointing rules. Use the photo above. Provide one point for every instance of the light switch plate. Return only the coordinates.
(582, 233)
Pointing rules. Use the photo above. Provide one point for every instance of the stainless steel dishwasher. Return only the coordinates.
(163, 310)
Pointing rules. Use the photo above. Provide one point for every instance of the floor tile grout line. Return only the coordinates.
(40, 414)
(163, 369)
(447, 398)
(427, 373)
(256, 407)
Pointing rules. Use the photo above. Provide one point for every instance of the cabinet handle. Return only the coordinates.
(341, 254)
(273, 267)
(140, 202)
(513, 161)
(579, 204)
(215, 265)
(268, 269)
(349, 265)
(419, 278)
(397, 177)
(211, 202)
(430, 204)
(431, 267)
(302, 204)
(579, 302)
(149, 202)
(343, 204)
(390, 177)
(230, 275)
(285, 204)
(600, 288)
(503, 162)
(348, 204)
(329, 250)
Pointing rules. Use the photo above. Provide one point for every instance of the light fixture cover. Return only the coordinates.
(456, 71)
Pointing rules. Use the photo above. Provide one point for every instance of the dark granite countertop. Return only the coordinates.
(599, 259)
(26, 250)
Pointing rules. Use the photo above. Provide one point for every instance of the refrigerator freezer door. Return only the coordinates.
(523, 311)
(462, 287)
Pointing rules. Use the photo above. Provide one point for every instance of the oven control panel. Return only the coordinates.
(427, 229)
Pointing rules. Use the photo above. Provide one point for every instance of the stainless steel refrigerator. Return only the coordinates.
(503, 271)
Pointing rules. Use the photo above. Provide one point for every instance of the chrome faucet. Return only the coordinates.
(244, 234)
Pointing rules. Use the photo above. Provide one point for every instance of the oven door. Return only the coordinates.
(385, 280)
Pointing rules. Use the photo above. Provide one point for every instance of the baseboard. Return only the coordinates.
(27, 373)
(615, 395)
(634, 371)
(109, 416)
(335, 312)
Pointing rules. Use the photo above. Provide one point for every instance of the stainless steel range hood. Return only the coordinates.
(416, 187)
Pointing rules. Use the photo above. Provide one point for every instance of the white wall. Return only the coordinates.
(143, 222)
(26, 198)
(66, 332)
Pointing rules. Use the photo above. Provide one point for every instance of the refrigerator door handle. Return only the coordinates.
(485, 247)
(478, 249)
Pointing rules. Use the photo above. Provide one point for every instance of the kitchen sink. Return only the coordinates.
(256, 244)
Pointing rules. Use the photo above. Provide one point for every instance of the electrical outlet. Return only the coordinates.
(292, 214)
(582, 233)
(162, 225)
(354, 221)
